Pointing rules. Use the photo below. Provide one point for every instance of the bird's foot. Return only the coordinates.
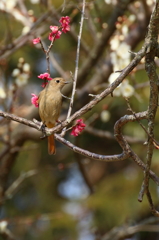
(43, 130)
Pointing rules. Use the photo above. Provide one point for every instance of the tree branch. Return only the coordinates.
(152, 45)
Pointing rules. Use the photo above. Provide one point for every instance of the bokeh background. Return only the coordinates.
(68, 196)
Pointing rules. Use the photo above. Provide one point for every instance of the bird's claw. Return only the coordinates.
(43, 131)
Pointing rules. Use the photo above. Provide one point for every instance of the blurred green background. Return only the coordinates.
(67, 196)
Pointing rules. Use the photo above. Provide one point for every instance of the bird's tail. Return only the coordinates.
(51, 145)
(51, 141)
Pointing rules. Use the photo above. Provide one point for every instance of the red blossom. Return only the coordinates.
(34, 100)
(54, 29)
(55, 34)
(65, 24)
(45, 76)
(66, 29)
(64, 21)
(36, 40)
(78, 128)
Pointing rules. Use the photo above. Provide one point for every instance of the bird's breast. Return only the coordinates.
(50, 106)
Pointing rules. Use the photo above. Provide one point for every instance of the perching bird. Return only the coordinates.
(50, 101)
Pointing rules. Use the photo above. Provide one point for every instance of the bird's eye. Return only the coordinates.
(57, 81)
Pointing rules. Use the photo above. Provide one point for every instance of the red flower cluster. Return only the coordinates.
(46, 77)
(65, 27)
(65, 24)
(56, 33)
(78, 128)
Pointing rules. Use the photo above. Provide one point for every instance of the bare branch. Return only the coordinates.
(152, 44)
(125, 146)
(77, 65)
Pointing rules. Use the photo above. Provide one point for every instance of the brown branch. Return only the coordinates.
(153, 210)
(152, 45)
(112, 158)
(20, 120)
(124, 144)
(91, 155)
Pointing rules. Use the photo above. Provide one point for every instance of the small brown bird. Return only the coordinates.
(50, 101)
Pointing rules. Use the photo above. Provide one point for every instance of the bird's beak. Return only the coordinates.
(67, 82)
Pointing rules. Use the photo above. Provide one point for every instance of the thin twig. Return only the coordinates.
(155, 143)
(55, 64)
(47, 52)
(65, 96)
(63, 6)
(126, 231)
(77, 65)
(153, 210)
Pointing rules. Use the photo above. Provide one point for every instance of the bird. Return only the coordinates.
(50, 102)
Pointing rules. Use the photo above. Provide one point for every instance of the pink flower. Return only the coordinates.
(36, 40)
(53, 36)
(78, 128)
(64, 21)
(34, 100)
(54, 29)
(45, 76)
(66, 28)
